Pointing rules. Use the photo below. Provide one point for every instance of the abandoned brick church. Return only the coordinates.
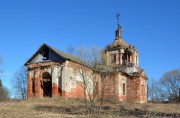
(52, 72)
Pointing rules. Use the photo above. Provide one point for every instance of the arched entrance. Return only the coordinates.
(47, 84)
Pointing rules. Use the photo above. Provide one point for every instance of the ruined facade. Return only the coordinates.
(130, 79)
(52, 72)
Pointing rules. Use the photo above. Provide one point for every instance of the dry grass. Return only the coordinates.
(74, 108)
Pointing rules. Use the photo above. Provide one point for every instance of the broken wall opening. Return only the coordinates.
(47, 84)
(45, 54)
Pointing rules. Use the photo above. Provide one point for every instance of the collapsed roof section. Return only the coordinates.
(130, 69)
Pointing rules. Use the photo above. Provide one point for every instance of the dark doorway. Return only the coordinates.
(47, 84)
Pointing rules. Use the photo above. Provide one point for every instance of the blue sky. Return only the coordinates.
(153, 26)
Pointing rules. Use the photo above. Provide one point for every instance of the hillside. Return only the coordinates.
(74, 108)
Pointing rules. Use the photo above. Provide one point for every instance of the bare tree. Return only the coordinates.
(20, 83)
(3, 92)
(87, 80)
(154, 91)
(170, 86)
(94, 83)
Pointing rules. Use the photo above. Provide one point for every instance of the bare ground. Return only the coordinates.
(74, 108)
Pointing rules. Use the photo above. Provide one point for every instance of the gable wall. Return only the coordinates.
(52, 56)
(38, 58)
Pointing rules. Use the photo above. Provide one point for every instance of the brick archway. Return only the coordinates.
(47, 84)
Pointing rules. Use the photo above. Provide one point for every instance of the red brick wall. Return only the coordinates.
(143, 96)
(55, 90)
(29, 89)
(77, 92)
(133, 89)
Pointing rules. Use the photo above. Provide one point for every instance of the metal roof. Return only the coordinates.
(58, 52)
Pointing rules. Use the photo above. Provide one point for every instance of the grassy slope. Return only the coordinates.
(73, 108)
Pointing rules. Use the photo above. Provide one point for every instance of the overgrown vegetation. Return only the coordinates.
(94, 82)
(75, 108)
(91, 82)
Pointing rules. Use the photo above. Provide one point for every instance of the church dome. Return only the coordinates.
(119, 42)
